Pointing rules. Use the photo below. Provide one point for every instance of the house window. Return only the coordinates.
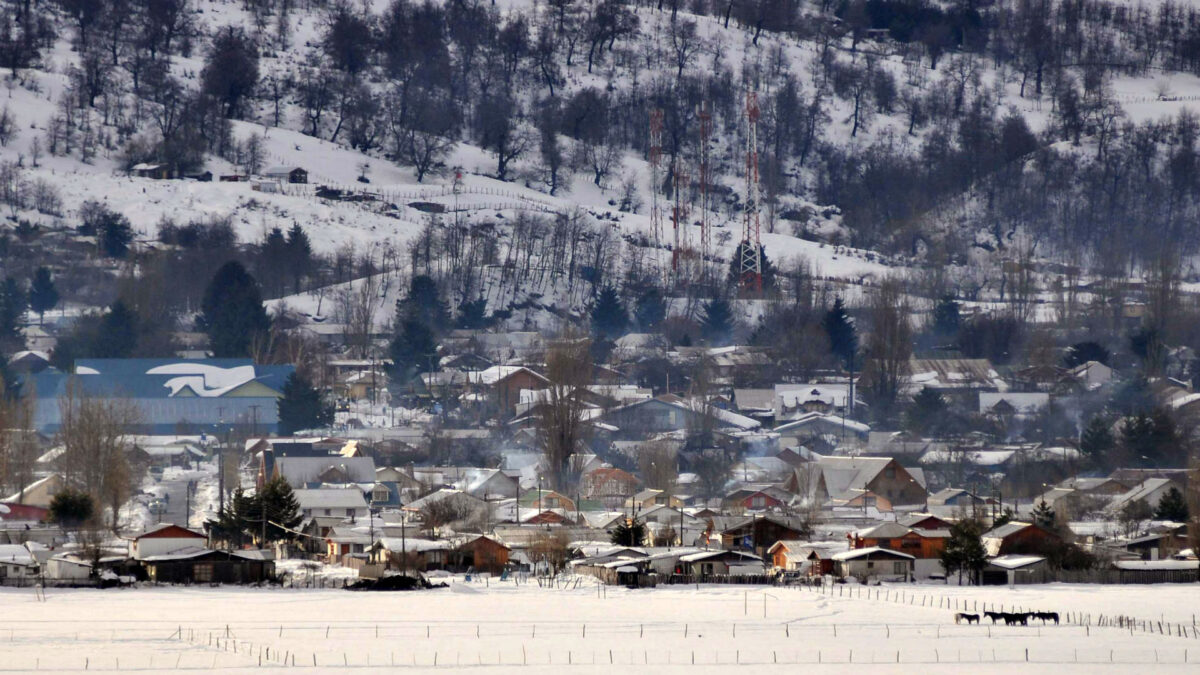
(759, 501)
(890, 472)
(870, 564)
(898, 567)
(328, 512)
(3, 571)
(380, 494)
(202, 572)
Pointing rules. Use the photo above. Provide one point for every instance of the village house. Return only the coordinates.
(759, 533)
(331, 503)
(202, 566)
(844, 480)
(811, 558)
(609, 486)
(873, 562)
(286, 174)
(1018, 537)
(165, 538)
(925, 546)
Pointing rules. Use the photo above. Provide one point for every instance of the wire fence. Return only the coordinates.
(1086, 619)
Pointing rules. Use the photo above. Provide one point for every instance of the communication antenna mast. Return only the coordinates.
(656, 216)
(679, 216)
(705, 234)
(750, 264)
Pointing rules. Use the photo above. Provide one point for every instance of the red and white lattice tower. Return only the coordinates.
(679, 216)
(750, 263)
(656, 215)
(705, 233)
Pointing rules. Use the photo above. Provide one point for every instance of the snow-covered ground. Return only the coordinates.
(497, 627)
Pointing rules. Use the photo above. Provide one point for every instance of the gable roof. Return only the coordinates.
(169, 531)
(871, 552)
(330, 498)
(302, 471)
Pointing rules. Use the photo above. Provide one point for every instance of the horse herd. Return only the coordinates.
(1009, 618)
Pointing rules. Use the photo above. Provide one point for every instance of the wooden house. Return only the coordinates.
(286, 174)
(484, 553)
(201, 566)
(1017, 537)
(759, 533)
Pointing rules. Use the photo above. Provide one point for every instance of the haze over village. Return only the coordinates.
(531, 335)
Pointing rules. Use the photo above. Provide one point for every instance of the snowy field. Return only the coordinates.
(495, 627)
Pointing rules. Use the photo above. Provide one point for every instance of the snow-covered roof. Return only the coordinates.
(1024, 403)
(1015, 561)
(1157, 564)
(330, 498)
(857, 553)
(413, 545)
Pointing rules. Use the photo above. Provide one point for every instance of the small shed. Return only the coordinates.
(873, 562)
(1009, 568)
(286, 174)
(485, 554)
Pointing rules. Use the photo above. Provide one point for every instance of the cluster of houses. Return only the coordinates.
(760, 476)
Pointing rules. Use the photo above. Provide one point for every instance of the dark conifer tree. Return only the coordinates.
(717, 323)
(609, 318)
(650, 310)
(43, 296)
(232, 311)
(302, 406)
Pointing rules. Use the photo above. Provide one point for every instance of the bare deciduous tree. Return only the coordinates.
(97, 447)
(561, 427)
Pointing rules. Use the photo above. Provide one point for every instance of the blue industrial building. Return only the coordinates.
(172, 396)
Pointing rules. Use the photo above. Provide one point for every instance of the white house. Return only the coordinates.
(165, 538)
(334, 502)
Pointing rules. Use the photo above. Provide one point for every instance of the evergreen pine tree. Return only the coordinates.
(12, 308)
(472, 314)
(43, 296)
(279, 505)
(1096, 441)
(237, 520)
(843, 337)
(1172, 506)
(232, 311)
(650, 310)
(117, 336)
(273, 261)
(302, 407)
(424, 304)
(717, 323)
(964, 550)
(413, 350)
(628, 532)
(608, 315)
(115, 234)
(927, 411)
(1043, 515)
(946, 317)
(299, 255)
(768, 270)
